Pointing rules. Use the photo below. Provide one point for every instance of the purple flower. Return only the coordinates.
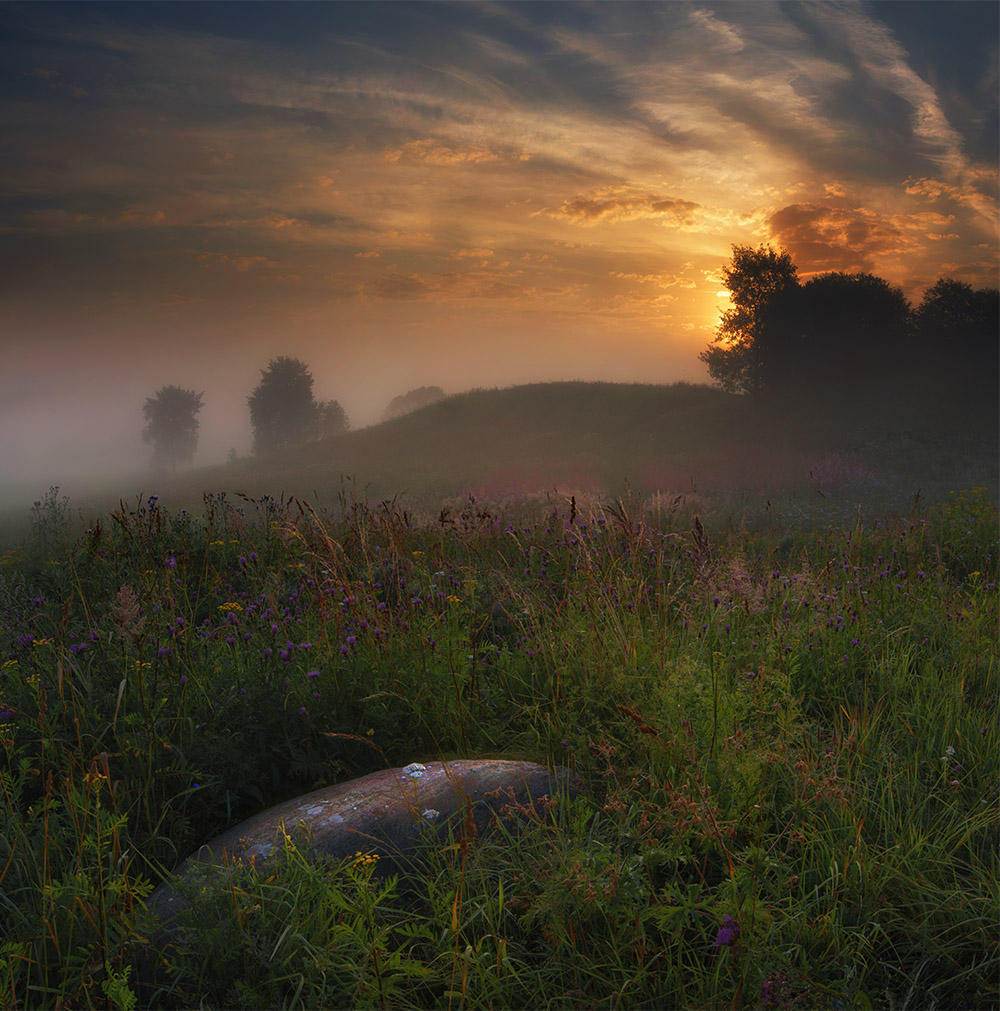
(312, 674)
(78, 647)
(728, 934)
(163, 651)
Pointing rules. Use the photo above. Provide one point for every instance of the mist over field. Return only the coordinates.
(467, 196)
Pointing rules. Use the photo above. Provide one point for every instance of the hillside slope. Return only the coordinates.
(600, 437)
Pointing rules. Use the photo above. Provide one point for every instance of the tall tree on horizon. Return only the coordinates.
(752, 333)
(283, 410)
(172, 425)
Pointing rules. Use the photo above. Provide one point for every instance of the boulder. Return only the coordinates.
(393, 813)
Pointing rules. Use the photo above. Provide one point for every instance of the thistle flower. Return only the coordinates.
(728, 935)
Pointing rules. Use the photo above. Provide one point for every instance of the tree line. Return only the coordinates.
(842, 333)
(283, 412)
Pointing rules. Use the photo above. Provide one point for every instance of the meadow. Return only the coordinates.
(785, 726)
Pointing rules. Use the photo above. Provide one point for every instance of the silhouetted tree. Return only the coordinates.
(283, 409)
(956, 318)
(413, 401)
(850, 332)
(331, 419)
(172, 425)
(753, 333)
(956, 336)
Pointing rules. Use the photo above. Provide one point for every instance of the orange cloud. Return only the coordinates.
(241, 263)
(470, 254)
(623, 203)
(822, 238)
(397, 287)
(432, 152)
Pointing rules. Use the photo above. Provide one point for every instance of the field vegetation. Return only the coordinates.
(783, 711)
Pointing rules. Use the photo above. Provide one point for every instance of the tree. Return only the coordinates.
(413, 401)
(956, 334)
(753, 331)
(283, 409)
(331, 419)
(954, 314)
(171, 424)
(850, 330)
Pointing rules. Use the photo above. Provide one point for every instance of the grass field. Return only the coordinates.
(768, 651)
(786, 726)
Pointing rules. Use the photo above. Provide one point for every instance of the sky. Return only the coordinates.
(469, 194)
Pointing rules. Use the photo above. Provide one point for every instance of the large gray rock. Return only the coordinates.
(393, 813)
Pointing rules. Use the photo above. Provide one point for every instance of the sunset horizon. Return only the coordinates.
(460, 195)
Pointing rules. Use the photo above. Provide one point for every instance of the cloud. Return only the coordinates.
(823, 238)
(476, 253)
(432, 152)
(397, 287)
(240, 263)
(623, 203)
(720, 35)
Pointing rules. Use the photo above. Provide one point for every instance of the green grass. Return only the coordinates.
(783, 713)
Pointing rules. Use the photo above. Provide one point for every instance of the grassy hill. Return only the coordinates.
(604, 438)
(577, 436)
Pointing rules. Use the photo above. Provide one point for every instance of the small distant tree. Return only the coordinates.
(753, 334)
(413, 401)
(331, 419)
(283, 410)
(172, 425)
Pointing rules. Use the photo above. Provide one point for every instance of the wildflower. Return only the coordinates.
(729, 933)
(312, 674)
(774, 992)
(163, 651)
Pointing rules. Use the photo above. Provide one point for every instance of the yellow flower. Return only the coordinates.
(231, 605)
